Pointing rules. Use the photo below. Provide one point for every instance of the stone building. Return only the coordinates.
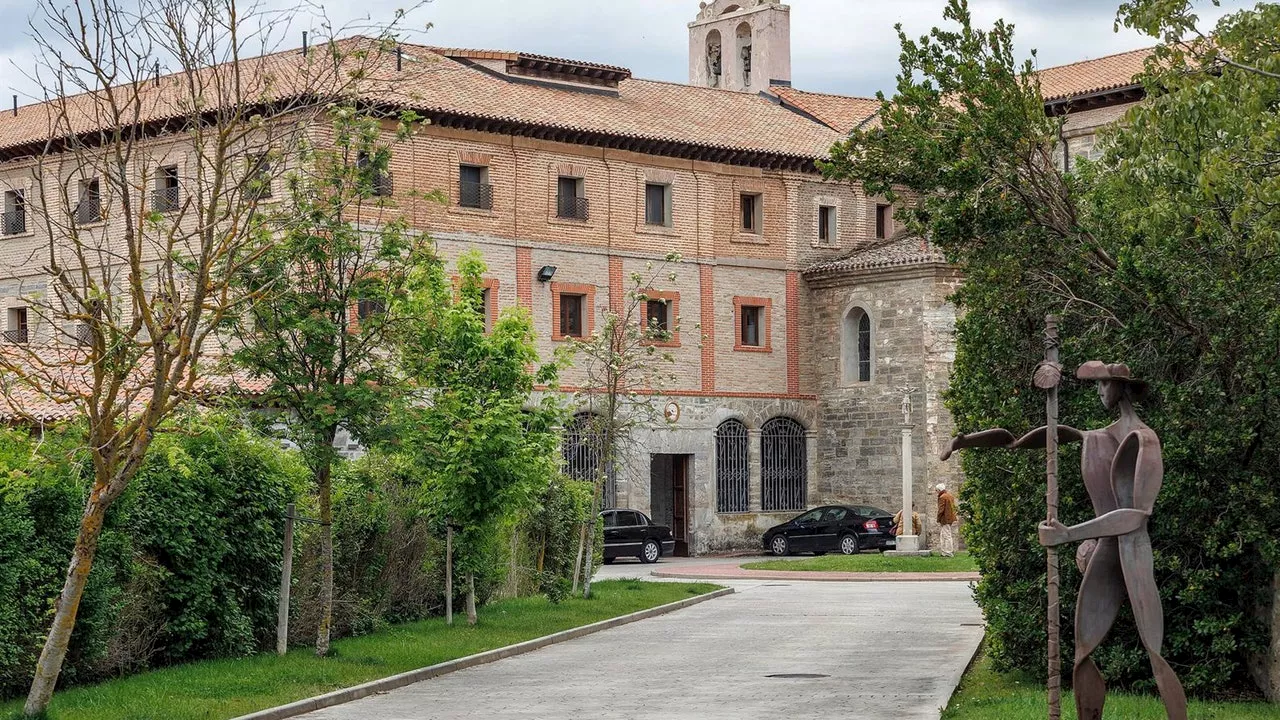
(801, 315)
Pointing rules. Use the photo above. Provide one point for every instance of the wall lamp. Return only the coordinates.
(546, 273)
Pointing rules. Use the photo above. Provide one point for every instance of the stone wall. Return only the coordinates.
(860, 440)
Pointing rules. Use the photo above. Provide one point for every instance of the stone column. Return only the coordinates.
(753, 464)
(810, 467)
(907, 542)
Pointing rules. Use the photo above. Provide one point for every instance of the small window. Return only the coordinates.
(826, 223)
(752, 212)
(166, 190)
(657, 204)
(474, 190)
(16, 332)
(572, 315)
(381, 184)
(884, 221)
(752, 330)
(570, 200)
(856, 346)
(657, 314)
(258, 182)
(366, 309)
(89, 203)
(15, 212)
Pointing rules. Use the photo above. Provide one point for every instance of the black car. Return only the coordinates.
(847, 529)
(630, 533)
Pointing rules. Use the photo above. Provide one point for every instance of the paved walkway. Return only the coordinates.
(773, 649)
(733, 570)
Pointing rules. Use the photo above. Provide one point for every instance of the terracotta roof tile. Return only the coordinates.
(841, 113)
(899, 251)
(1092, 76)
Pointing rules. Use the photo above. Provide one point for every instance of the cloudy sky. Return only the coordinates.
(840, 46)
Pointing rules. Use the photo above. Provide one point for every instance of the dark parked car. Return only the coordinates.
(847, 529)
(630, 533)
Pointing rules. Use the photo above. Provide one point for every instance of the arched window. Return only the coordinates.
(783, 465)
(583, 453)
(733, 472)
(715, 58)
(744, 53)
(855, 346)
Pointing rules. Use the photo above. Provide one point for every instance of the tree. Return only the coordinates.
(332, 265)
(140, 204)
(625, 368)
(483, 445)
(1163, 254)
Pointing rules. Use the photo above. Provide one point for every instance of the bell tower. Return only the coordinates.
(742, 45)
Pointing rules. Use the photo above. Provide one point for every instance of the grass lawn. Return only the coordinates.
(219, 689)
(871, 562)
(987, 695)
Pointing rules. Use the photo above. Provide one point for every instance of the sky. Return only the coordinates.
(838, 46)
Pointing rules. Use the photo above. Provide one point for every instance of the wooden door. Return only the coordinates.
(680, 504)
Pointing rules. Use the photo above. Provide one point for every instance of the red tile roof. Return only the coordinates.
(898, 251)
(838, 112)
(1092, 76)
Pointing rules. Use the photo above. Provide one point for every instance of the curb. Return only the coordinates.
(373, 687)
(803, 576)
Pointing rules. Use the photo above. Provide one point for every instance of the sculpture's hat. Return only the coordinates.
(1098, 370)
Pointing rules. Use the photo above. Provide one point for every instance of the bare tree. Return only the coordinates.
(139, 202)
(626, 367)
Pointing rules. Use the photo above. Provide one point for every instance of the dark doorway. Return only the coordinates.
(669, 496)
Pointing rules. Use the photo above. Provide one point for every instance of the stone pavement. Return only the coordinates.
(773, 649)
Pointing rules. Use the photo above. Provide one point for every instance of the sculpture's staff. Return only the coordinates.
(1048, 377)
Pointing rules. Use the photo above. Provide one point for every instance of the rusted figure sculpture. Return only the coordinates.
(1123, 470)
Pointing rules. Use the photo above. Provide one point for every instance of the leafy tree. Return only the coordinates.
(133, 272)
(331, 266)
(1164, 254)
(625, 368)
(483, 445)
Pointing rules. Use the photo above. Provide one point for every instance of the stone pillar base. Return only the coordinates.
(908, 546)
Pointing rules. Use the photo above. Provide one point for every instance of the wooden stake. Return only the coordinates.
(286, 582)
(1051, 501)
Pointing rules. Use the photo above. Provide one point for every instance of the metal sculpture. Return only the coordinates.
(1123, 469)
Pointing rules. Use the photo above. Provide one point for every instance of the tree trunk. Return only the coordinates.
(68, 604)
(577, 560)
(588, 561)
(324, 486)
(448, 575)
(471, 598)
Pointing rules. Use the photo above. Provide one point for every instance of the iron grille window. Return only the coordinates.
(583, 455)
(783, 465)
(733, 471)
(165, 196)
(89, 207)
(17, 331)
(380, 182)
(15, 213)
(259, 180)
(366, 309)
(656, 210)
(572, 315)
(752, 317)
(474, 190)
(826, 223)
(884, 221)
(570, 202)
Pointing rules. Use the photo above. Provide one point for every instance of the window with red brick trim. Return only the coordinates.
(662, 312)
(572, 310)
(753, 326)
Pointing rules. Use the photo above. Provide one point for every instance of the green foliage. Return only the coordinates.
(553, 526)
(481, 444)
(1165, 254)
(187, 566)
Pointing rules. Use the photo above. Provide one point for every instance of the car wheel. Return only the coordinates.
(849, 545)
(650, 552)
(779, 545)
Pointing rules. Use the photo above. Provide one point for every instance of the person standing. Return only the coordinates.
(947, 519)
